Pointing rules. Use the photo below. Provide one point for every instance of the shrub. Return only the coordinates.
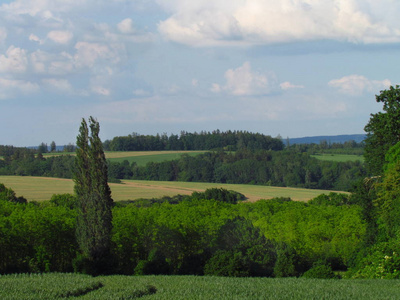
(320, 271)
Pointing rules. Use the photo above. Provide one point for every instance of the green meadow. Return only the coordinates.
(42, 188)
(339, 157)
(140, 157)
(61, 286)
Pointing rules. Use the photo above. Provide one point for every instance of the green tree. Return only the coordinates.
(53, 146)
(42, 148)
(383, 130)
(94, 202)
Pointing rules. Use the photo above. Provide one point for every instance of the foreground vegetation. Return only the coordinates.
(59, 286)
(205, 233)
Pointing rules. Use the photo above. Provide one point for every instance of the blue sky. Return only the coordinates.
(291, 67)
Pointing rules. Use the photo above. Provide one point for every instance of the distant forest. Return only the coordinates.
(228, 140)
(234, 157)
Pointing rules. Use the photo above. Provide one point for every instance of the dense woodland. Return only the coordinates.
(215, 233)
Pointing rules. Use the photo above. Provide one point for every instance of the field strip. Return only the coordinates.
(42, 188)
(122, 154)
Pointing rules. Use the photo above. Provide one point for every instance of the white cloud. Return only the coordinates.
(58, 84)
(88, 53)
(35, 38)
(100, 90)
(243, 81)
(10, 87)
(205, 23)
(356, 85)
(60, 37)
(126, 26)
(287, 86)
(15, 60)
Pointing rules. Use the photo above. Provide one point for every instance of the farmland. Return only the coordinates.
(42, 188)
(56, 286)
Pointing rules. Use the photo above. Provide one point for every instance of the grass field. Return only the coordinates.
(140, 157)
(42, 188)
(59, 286)
(339, 157)
(143, 157)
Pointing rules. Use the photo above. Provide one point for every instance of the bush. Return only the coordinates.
(320, 271)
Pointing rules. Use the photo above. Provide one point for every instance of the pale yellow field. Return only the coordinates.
(42, 188)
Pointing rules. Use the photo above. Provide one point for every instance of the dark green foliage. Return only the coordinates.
(230, 140)
(43, 148)
(320, 271)
(66, 200)
(331, 199)
(155, 264)
(276, 168)
(287, 261)
(383, 130)
(228, 263)
(242, 251)
(7, 194)
(94, 202)
(219, 194)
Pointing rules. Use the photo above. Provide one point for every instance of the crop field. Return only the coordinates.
(42, 188)
(59, 286)
(339, 157)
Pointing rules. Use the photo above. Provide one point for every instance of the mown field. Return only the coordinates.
(338, 157)
(140, 157)
(61, 286)
(42, 188)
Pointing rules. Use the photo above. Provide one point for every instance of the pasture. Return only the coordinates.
(42, 188)
(59, 286)
(143, 157)
(140, 157)
(338, 157)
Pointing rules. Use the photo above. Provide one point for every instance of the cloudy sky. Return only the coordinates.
(290, 67)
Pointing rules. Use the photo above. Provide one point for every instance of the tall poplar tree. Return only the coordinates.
(94, 221)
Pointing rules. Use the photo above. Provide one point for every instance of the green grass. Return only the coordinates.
(61, 286)
(339, 157)
(143, 157)
(140, 157)
(42, 188)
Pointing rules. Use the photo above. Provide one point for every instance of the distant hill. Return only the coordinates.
(358, 138)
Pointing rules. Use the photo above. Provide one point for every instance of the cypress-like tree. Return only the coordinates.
(94, 202)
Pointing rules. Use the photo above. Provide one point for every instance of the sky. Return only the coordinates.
(292, 68)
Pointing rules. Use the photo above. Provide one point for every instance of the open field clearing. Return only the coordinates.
(58, 286)
(42, 188)
(338, 157)
(140, 157)
(143, 157)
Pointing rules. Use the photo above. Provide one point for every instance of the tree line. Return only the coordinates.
(276, 168)
(228, 140)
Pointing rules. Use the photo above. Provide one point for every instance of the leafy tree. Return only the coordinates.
(94, 202)
(383, 130)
